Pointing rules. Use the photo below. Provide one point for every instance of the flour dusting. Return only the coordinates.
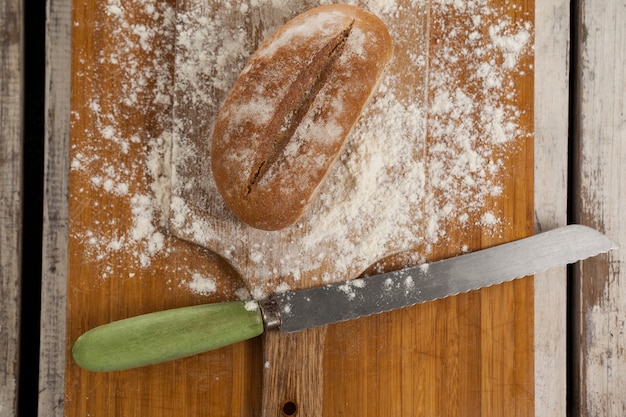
(145, 92)
(202, 284)
(421, 157)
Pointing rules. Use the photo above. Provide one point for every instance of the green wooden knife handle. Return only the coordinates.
(167, 335)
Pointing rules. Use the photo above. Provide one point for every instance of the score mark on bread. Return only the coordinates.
(296, 104)
(287, 116)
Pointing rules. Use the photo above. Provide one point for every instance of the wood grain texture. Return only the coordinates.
(222, 383)
(600, 117)
(282, 251)
(294, 369)
(552, 30)
(467, 355)
(11, 141)
(55, 211)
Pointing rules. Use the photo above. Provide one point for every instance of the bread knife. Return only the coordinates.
(176, 333)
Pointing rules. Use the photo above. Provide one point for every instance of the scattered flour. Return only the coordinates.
(348, 287)
(409, 284)
(489, 219)
(202, 284)
(145, 90)
(414, 187)
(251, 305)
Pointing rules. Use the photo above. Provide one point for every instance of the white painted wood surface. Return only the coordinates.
(552, 29)
(600, 143)
(11, 130)
(55, 210)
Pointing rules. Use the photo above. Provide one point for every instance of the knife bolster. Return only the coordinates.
(271, 313)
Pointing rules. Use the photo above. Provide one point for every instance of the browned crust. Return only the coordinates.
(287, 116)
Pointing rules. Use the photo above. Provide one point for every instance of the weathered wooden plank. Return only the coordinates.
(55, 216)
(11, 129)
(551, 177)
(600, 199)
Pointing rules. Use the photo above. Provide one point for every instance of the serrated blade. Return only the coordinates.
(302, 309)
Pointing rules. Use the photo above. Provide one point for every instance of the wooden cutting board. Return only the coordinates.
(141, 219)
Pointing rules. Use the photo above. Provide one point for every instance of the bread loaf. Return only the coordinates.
(286, 118)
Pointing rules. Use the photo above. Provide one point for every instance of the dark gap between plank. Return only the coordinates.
(573, 193)
(32, 209)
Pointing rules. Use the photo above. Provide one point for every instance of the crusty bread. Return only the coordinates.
(287, 116)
